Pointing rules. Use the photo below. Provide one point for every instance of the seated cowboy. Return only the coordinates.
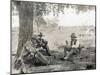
(43, 44)
(74, 46)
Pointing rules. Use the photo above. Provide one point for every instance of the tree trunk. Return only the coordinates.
(25, 25)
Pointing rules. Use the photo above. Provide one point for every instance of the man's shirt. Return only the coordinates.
(76, 45)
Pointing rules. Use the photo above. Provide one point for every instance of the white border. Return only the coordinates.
(5, 37)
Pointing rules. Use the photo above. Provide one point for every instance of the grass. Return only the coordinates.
(84, 60)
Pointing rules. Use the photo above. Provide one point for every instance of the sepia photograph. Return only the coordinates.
(52, 37)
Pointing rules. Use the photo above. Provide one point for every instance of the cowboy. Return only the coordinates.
(31, 47)
(43, 43)
(74, 44)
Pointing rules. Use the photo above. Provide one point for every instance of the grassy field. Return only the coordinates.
(56, 37)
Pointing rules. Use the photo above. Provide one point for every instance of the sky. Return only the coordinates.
(69, 18)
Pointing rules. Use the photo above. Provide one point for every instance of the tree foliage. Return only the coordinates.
(44, 8)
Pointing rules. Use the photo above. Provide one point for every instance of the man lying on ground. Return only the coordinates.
(30, 55)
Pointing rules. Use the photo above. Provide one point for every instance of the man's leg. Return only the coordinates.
(69, 54)
(41, 58)
(65, 50)
(47, 50)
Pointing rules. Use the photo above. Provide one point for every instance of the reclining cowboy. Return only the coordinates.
(30, 55)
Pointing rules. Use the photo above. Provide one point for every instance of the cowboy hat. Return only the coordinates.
(41, 34)
(73, 35)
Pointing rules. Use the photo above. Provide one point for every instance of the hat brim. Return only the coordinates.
(74, 37)
(40, 35)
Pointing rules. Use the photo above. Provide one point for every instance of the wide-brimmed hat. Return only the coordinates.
(40, 34)
(73, 35)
